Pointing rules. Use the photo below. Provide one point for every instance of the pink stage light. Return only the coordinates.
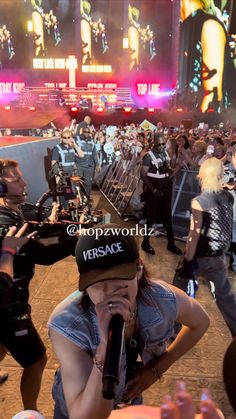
(128, 110)
(100, 109)
(7, 108)
(74, 109)
(151, 110)
(179, 110)
(32, 108)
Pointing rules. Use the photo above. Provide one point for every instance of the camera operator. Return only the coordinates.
(158, 193)
(114, 281)
(11, 243)
(17, 332)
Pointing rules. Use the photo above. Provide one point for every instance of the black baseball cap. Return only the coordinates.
(110, 256)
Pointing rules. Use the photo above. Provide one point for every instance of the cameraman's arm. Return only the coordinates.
(11, 244)
(55, 156)
(195, 230)
(43, 253)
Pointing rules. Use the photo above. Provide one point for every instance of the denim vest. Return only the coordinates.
(157, 313)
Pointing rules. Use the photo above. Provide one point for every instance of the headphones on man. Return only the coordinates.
(3, 186)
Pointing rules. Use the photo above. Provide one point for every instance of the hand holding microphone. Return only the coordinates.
(112, 314)
(111, 370)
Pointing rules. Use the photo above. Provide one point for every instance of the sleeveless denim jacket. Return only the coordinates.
(157, 313)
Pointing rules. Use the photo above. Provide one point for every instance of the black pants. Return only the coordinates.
(159, 208)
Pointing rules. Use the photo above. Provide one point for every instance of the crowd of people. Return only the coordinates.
(113, 279)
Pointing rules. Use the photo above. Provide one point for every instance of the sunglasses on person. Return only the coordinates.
(66, 138)
(86, 132)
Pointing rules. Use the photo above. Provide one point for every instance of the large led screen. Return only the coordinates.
(207, 55)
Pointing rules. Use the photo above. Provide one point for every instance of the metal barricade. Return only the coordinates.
(185, 188)
(120, 183)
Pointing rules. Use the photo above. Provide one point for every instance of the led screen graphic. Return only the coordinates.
(124, 35)
(95, 31)
(35, 29)
(141, 39)
(113, 36)
(207, 55)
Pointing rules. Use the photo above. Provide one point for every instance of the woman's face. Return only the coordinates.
(219, 151)
(196, 148)
(102, 290)
(180, 142)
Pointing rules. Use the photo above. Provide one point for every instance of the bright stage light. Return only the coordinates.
(128, 109)
(179, 110)
(7, 108)
(100, 109)
(32, 108)
(96, 69)
(30, 26)
(151, 110)
(74, 109)
(125, 43)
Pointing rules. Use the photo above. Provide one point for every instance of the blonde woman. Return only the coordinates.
(198, 151)
(210, 236)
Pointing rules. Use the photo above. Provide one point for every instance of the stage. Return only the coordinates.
(24, 119)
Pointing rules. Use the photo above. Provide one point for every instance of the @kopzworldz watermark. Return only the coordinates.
(73, 230)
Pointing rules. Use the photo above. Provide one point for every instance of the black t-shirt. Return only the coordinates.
(83, 125)
(163, 162)
(6, 289)
(36, 251)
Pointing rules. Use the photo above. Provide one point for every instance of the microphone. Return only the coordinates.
(111, 369)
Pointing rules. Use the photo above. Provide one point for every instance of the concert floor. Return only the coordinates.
(200, 367)
(19, 139)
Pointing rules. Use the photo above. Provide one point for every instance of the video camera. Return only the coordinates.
(63, 184)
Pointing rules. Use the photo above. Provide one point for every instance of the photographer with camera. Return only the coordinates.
(17, 332)
(121, 314)
(158, 193)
